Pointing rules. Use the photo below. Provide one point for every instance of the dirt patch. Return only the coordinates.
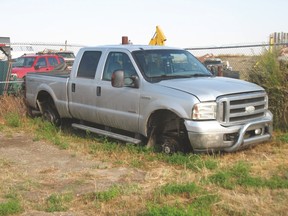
(40, 169)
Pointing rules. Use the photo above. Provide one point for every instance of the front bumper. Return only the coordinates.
(211, 136)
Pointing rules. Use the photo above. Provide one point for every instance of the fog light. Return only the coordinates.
(258, 131)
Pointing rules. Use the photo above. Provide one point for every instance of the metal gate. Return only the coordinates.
(3, 76)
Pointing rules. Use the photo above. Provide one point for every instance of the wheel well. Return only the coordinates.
(47, 107)
(166, 125)
(44, 97)
(165, 120)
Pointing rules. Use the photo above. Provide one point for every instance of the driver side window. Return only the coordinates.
(118, 61)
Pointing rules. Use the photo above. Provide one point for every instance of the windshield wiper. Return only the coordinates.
(200, 75)
(167, 76)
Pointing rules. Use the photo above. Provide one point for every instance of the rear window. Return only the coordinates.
(88, 64)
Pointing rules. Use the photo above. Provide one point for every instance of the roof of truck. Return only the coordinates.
(130, 47)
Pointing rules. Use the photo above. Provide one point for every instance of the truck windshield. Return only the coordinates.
(157, 65)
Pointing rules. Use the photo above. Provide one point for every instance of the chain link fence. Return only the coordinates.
(241, 58)
(18, 49)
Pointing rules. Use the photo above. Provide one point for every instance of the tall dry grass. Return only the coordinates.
(272, 75)
(11, 106)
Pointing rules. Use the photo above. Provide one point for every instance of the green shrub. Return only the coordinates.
(269, 74)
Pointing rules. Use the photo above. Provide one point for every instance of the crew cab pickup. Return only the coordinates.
(160, 96)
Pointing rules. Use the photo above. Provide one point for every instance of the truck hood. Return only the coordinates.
(209, 88)
(22, 71)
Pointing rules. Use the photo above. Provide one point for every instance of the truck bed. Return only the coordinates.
(53, 82)
(64, 74)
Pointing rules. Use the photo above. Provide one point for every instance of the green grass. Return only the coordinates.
(170, 210)
(192, 161)
(197, 200)
(283, 138)
(239, 175)
(58, 202)
(12, 119)
(172, 189)
(105, 196)
(11, 206)
(47, 131)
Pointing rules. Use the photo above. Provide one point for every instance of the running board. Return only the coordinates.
(107, 133)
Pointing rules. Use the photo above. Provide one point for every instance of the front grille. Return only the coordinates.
(241, 108)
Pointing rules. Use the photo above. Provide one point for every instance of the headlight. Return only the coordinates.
(13, 76)
(204, 111)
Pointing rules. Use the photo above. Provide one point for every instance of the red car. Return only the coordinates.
(35, 63)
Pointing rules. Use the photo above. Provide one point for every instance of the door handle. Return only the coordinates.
(73, 87)
(98, 91)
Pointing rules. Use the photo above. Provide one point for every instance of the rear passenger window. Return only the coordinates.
(88, 64)
(52, 61)
(61, 60)
(41, 62)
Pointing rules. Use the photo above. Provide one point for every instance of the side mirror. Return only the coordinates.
(117, 79)
(36, 67)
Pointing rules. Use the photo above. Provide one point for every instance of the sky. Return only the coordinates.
(185, 23)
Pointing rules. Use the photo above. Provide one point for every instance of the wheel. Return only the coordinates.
(49, 114)
(29, 112)
(169, 145)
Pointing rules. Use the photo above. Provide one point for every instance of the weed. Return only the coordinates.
(239, 174)
(46, 130)
(283, 138)
(188, 188)
(137, 163)
(169, 210)
(203, 201)
(1, 127)
(58, 202)
(106, 146)
(12, 206)
(104, 196)
(12, 119)
(223, 179)
(197, 202)
(193, 161)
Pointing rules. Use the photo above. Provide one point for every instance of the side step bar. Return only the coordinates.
(107, 133)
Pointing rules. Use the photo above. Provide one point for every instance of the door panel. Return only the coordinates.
(82, 88)
(118, 107)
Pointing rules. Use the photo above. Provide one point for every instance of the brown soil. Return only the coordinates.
(43, 169)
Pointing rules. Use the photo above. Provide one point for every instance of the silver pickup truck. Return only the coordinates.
(161, 96)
